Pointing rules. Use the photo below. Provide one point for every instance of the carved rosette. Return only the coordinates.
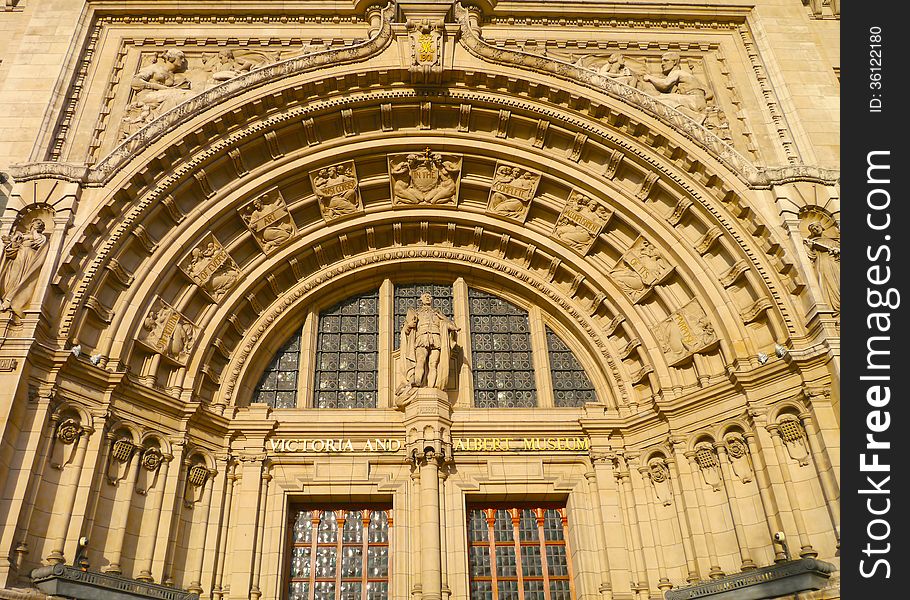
(210, 267)
(640, 269)
(425, 178)
(581, 221)
(337, 190)
(68, 431)
(151, 459)
(269, 220)
(511, 192)
(685, 332)
(166, 331)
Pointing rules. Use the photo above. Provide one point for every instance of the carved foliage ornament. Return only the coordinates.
(639, 269)
(211, 268)
(425, 178)
(68, 431)
(268, 218)
(511, 192)
(685, 332)
(337, 190)
(167, 332)
(581, 221)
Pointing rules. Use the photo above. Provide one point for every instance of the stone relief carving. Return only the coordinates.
(268, 218)
(708, 465)
(511, 192)
(196, 477)
(425, 178)
(794, 438)
(337, 189)
(659, 474)
(211, 268)
(426, 41)
(680, 89)
(150, 462)
(639, 269)
(685, 332)
(66, 438)
(580, 222)
(428, 339)
(823, 247)
(119, 460)
(24, 253)
(167, 332)
(738, 452)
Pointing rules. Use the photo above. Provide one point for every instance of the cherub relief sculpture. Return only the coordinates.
(685, 332)
(168, 332)
(511, 192)
(24, 253)
(824, 251)
(424, 178)
(680, 89)
(211, 268)
(639, 269)
(580, 222)
(337, 190)
(267, 217)
(427, 342)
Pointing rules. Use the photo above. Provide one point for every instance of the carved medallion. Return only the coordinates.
(211, 268)
(511, 192)
(685, 332)
(425, 178)
(337, 190)
(639, 269)
(167, 332)
(580, 222)
(268, 218)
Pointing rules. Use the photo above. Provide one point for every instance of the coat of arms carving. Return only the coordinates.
(685, 332)
(640, 268)
(211, 268)
(337, 190)
(268, 218)
(425, 178)
(511, 192)
(166, 331)
(581, 221)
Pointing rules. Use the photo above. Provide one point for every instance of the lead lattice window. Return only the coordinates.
(278, 385)
(571, 386)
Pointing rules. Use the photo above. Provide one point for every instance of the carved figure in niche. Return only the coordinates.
(167, 332)
(23, 255)
(511, 191)
(685, 332)
(424, 178)
(580, 222)
(226, 65)
(337, 190)
(639, 269)
(427, 342)
(659, 475)
(211, 268)
(825, 253)
(680, 89)
(268, 218)
(739, 458)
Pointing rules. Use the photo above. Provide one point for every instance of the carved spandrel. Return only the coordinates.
(269, 220)
(685, 332)
(581, 221)
(425, 178)
(166, 331)
(211, 268)
(639, 269)
(511, 192)
(337, 190)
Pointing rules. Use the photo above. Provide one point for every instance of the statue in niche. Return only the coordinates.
(580, 222)
(268, 218)
(211, 268)
(639, 269)
(226, 65)
(685, 332)
(167, 332)
(24, 253)
(427, 342)
(824, 251)
(511, 191)
(424, 178)
(680, 89)
(659, 475)
(337, 190)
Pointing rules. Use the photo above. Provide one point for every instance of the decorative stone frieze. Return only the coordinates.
(337, 190)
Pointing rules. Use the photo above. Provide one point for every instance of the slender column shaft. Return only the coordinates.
(806, 549)
(431, 576)
(606, 587)
(682, 520)
(729, 487)
(830, 488)
(715, 571)
(260, 535)
(638, 560)
(151, 519)
(196, 550)
(224, 532)
(123, 499)
(67, 488)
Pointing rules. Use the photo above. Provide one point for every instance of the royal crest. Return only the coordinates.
(425, 178)
(166, 331)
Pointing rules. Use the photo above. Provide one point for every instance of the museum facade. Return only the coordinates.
(418, 300)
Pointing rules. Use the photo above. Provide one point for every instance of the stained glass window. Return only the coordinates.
(501, 353)
(518, 553)
(408, 296)
(278, 386)
(346, 354)
(340, 554)
(571, 386)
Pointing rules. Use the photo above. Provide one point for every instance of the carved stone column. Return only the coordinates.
(225, 530)
(624, 481)
(430, 566)
(824, 470)
(246, 518)
(682, 520)
(806, 549)
(690, 503)
(152, 459)
(202, 516)
(663, 583)
(123, 500)
(255, 590)
(68, 432)
(765, 493)
(716, 572)
(728, 484)
(603, 560)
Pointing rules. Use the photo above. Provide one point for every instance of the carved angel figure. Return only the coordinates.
(23, 255)
(424, 178)
(615, 68)
(825, 251)
(427, 342)
(273, 234)
(521, 182)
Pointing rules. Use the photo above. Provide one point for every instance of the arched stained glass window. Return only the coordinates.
(278, 386)
(501, 353)
(346, 354)
(408, 296)
(571, 386)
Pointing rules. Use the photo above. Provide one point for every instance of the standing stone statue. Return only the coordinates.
(427, 341)
(23, 255)
(825, 251)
